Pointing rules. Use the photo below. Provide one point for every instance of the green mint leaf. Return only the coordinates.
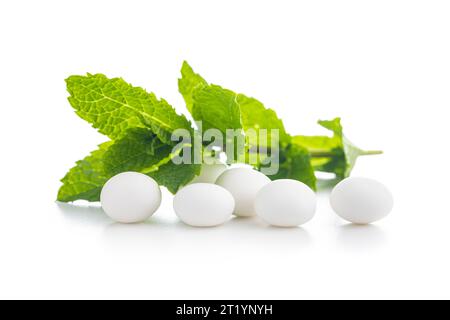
(174, 176)
(349, 150)
(217, 108)
(114, 106)
(255, 116)
(317, 144)
(295, 163)
(327, 154)
(188, 83)
(141, 151)
(220, 107)
(334, 154)
(85, 180)
(224, 109)
(333, 125)
(138, 150)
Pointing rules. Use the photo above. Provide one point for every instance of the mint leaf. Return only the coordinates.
(174, 176)
(188, 83)
(345, 160)
(217, 108)
(334, 154)
(138, 150)
(317, 144)
(141, 151)
(333, 125)
(114, 106)
(224, 109)
(255, 116)
(295, 163)
(327, 154)
(85, 180)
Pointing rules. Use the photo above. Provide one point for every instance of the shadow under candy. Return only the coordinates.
(361, 237)
(237, 234)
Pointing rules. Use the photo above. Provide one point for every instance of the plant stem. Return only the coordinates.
(328, 154)
(371, 152)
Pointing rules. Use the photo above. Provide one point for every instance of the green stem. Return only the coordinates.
(329, 154)
(371, 152)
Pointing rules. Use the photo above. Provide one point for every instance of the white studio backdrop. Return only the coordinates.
(383, 66)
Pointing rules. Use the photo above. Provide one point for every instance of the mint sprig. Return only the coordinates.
(140, 126)
(247, 114)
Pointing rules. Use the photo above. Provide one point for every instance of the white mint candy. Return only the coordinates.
(243, 184)
(203, 205)
(209, 173)
(130, 197)
(286, 203)
(361, 200)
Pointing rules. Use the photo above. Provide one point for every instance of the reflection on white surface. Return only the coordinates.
(165, 233)
(91, 214)
(361, 237)
(238, 234)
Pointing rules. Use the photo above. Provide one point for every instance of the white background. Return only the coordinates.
(383, 66)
